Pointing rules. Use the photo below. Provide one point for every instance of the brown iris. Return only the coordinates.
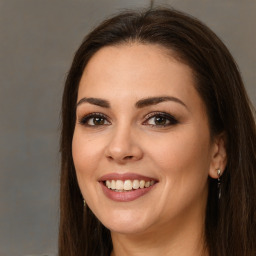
(160, 120)
(98, 121)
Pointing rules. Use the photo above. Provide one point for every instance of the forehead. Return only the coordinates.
(135, 67)
(125, 74)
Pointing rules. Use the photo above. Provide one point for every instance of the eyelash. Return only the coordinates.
(171, 120)
(167, 117)
(85, 120)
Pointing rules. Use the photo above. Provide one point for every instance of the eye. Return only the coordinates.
(94, 119)
(160, 119)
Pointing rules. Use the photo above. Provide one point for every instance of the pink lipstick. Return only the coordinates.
(127, 186)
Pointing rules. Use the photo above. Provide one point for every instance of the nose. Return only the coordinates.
(124, 146)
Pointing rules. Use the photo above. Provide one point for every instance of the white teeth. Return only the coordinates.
(113, 184)
(119, 185)
(108, 183)
(147, 184)
(128, 185)
(142, 183)
(135, 184)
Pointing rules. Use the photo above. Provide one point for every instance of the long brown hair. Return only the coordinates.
(230, 224)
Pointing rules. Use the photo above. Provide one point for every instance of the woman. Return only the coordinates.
(158, 143)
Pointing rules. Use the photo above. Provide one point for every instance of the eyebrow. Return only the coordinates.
(139, 104)
(95, 101)
(156, 100)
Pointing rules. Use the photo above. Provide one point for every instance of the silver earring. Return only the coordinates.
(219, 185)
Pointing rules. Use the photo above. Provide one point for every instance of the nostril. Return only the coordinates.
(128, 157)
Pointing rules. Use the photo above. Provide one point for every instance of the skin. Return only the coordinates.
(169, 220)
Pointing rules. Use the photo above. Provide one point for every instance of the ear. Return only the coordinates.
(219, 156)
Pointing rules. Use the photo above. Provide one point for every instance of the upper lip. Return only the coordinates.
(125, 176)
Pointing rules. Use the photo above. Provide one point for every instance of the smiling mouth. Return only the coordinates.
(128, 185)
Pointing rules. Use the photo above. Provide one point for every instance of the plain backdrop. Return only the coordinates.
(37, 43)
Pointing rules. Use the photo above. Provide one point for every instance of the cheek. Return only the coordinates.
(85, 151)
(85, 154)
(183, 168)
(186, 157)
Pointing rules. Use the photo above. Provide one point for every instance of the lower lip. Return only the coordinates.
(125, 196)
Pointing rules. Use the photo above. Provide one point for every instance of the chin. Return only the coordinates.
(126, 223)
(123, 228)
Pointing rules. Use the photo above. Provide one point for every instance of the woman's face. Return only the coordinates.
(141, 145)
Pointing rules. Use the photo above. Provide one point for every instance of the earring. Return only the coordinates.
(219, 185)
(84, 202)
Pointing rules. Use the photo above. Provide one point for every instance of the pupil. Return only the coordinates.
(160, 120)
(98, 121)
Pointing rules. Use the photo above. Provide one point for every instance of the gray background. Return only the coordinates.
(37, 42)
